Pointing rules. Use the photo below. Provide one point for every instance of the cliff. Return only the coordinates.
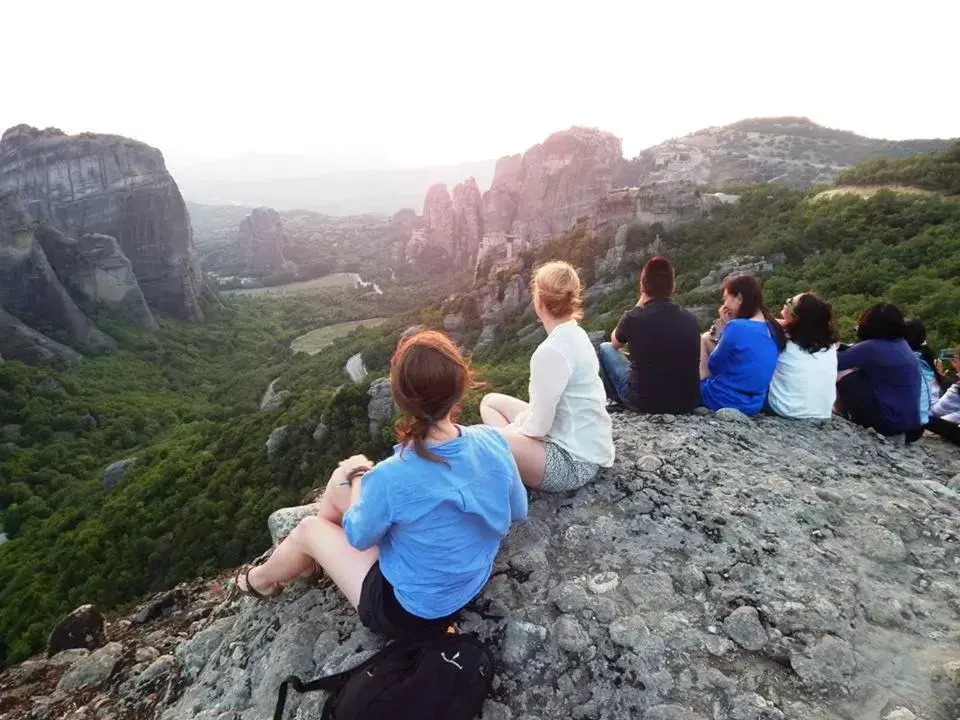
(29, 287)
(724, 568)
(114, 186)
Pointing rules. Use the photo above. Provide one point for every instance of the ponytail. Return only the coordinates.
(413, 431)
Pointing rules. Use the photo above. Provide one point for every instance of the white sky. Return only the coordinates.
(415, 83)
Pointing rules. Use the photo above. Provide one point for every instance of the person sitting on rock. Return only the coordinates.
(945, 413)
(563, 436)
(879, 379)
(736, 371)
(932, 382)
(412, 539)
(661, 375)
(804, 383)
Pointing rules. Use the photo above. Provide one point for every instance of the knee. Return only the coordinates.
(306, 527)
(488, 400)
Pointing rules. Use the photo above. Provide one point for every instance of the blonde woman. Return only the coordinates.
(563, 436)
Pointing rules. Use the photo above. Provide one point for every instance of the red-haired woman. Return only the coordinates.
(411, 540)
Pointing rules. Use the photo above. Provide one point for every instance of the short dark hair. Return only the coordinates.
(915, 333)
(751, 296)
(811, 326)
(657, 278)
(882, 321)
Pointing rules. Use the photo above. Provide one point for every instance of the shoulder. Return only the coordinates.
(485, 436)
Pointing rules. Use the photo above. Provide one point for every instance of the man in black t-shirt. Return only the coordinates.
(663, 372)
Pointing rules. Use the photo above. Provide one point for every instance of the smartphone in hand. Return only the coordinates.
(946, 355)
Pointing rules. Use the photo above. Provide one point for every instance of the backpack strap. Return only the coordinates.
(328, 683)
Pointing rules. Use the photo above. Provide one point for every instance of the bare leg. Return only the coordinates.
(531, 458)
(316, 540)
(285, 564)
(498, 410)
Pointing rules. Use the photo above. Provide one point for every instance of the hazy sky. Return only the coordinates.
(416, 83)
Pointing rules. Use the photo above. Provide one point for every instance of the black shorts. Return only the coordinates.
(380, 611)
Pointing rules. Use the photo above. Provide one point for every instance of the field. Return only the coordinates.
(300, 288)
(316, 340)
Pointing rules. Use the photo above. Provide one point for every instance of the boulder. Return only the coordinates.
(93, 670)
(381, 407)
(82, 628)
(273, 399)
(281, 522)
(115, 472)
(275, 441)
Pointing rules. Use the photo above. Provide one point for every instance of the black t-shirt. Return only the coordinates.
(664, 342)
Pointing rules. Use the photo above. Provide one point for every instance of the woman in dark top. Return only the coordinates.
(879, 382)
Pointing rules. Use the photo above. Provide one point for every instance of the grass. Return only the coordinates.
(316, 340)
(304, 287)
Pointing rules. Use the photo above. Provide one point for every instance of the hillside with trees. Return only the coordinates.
(185, 400)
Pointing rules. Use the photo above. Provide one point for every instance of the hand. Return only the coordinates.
(725, 315)
(939, 366)
(348, 466)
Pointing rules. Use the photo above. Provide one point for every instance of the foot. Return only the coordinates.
(247, 585)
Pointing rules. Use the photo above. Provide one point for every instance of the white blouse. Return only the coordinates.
(568, 404)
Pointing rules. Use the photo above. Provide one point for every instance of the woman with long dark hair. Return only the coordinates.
(412, 539)
(736, 371)
(880, 383)
(804, 384)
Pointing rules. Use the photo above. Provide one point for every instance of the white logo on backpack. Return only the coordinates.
(452, 660)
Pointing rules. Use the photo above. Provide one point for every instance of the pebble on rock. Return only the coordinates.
(744, 628)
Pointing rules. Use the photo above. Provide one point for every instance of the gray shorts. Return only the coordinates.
(563, 472)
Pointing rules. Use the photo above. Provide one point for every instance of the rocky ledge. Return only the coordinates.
(726, 568)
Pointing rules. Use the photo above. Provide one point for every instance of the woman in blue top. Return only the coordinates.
(411, 540)
(879, 383)
(736, 371)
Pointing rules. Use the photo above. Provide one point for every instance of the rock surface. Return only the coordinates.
(83, 628)
(273, 399)
(28, 284)
(95, 270)
(19, 342)
(261, 238)
(616, 601)
(115, 472)
(381, 407)
(114, 186)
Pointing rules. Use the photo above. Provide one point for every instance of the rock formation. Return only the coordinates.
(761, 267)
(113, 186)
(468, 222)
(438, 226)
(260, 241)
(725, 568)
(564, 178)
(95, 270)
(30, 287)
(19, 342)
(501, 200)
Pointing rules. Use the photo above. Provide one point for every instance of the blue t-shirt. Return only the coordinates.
(439, 527)
(891, 371)
(741, 367)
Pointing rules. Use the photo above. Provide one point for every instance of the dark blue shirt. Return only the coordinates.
(891, 371)
(741, 367)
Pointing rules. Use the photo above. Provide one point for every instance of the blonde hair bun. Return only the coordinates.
(557, 285)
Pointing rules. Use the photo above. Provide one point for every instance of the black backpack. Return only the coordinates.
(443, 678)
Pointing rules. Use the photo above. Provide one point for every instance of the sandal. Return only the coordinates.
(250, 591)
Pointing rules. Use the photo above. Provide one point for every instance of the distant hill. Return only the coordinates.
(793, 151)
(354, 192)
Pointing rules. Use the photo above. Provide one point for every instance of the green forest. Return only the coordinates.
(184, 400)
